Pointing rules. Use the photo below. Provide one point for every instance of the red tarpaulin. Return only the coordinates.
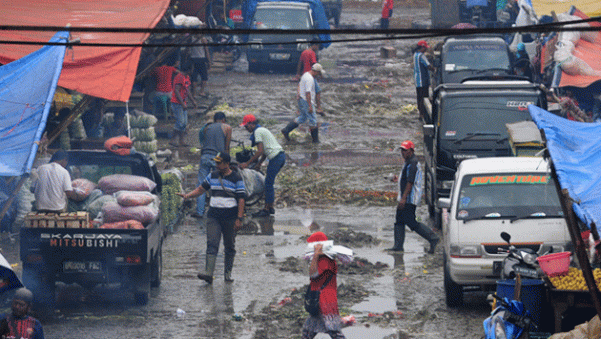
(105, 72)
(587, 51)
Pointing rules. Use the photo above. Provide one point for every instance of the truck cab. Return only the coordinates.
(279, 50)
(467, 56)
(468, 120)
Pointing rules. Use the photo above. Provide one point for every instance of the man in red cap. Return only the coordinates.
(267, 147)
(421, 75)
(322, 272)
(409, 196)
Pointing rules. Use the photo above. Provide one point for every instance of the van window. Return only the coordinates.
(480, 56)
(509, 196)
(484, 115)
(281, 18)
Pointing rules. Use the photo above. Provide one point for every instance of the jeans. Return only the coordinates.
(207, 165)
(305, 115)
(273, 168)
(217, 227)
(181, 117)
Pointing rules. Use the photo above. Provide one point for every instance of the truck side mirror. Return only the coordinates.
(444, 203)
(429, 130)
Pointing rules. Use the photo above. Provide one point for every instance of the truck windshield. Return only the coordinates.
(482, 117)
(281, 18)
(476, 57)
(508, 195)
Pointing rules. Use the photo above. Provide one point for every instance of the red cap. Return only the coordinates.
(423, 43)
(248, 118)
(408, 144)
(317, 236)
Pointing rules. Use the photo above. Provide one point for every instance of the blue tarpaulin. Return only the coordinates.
(27, 86)
(576, 155)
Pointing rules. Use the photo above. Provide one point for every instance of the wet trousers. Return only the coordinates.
(422, 92)
(273, 168)
(406, 216)
(216, 228)
(207, 165)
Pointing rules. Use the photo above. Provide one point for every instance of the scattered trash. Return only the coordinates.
(237, 317)
(285, 301)
(180, 313)
(348, 320)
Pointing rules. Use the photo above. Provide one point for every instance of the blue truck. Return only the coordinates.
(282, 51)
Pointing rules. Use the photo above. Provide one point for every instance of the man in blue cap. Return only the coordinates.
(522, 65)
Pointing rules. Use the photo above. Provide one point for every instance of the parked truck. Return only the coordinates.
(469, 120)
(53, 250)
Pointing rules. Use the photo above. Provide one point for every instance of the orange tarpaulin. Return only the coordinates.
(105, 72)
(588, 52)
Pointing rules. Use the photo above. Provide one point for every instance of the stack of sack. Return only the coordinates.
(143, 133)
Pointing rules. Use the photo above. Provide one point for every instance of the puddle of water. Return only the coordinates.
(376, 304)
(360, 332)
(346, 158)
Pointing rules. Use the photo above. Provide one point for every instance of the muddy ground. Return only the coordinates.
(341, 185)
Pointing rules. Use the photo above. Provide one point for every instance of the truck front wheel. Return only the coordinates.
(157, 269)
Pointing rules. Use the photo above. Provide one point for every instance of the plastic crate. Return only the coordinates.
(555, 263)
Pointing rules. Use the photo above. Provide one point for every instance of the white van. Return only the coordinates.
(491, 195)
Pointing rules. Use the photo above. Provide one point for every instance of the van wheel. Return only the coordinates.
(157, 268)
(453, 291)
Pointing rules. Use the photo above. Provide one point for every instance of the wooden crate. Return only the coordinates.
(63, 220)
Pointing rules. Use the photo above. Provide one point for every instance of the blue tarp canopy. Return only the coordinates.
(576, 155)
(27, 88)
(319, 15)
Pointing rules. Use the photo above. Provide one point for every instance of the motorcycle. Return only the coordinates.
(509, 320)
(520, 261)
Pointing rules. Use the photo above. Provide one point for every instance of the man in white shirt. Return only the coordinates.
(52, 186)
(306, 104)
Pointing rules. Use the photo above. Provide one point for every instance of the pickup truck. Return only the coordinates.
(90, 256)
(468, 120)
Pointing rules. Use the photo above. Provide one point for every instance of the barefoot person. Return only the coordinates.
(226, 210)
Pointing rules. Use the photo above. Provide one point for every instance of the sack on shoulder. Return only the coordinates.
(312, 302)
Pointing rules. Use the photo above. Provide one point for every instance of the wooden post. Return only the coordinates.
(568, 211)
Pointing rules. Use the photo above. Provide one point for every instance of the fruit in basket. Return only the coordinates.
(574, 280)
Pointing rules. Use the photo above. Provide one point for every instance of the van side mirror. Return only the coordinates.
(444, 203)
(429, 130)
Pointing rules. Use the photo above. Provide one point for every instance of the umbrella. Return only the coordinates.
(8, 278)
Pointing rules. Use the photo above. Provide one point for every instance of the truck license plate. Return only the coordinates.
(279, 56)
(82, 267)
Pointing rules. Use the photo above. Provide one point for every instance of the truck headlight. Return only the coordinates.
(256, 44)
(470, 251)
(301, 46)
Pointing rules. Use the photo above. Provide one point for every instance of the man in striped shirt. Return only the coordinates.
(421, 75)
(226, 210)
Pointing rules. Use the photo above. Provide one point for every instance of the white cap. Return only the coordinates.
(317, 68)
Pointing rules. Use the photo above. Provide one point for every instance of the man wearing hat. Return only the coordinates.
(409, 196)
(267, 147)
(19, 324)
(421, 75)
(52, 184)
(306, 103)
(214, 138)
(226, 210)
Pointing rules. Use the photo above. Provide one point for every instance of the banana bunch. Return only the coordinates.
(574, 280)
(170, 201)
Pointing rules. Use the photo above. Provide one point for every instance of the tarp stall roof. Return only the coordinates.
(544, 7)
(27, 87)
(576, 155)
(105, 72)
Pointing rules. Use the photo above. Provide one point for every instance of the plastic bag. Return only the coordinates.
(113, 212)
(134, 198)
(95, 206)
(128, 224)
(125, 182)
(254, 181)
(82, 188)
